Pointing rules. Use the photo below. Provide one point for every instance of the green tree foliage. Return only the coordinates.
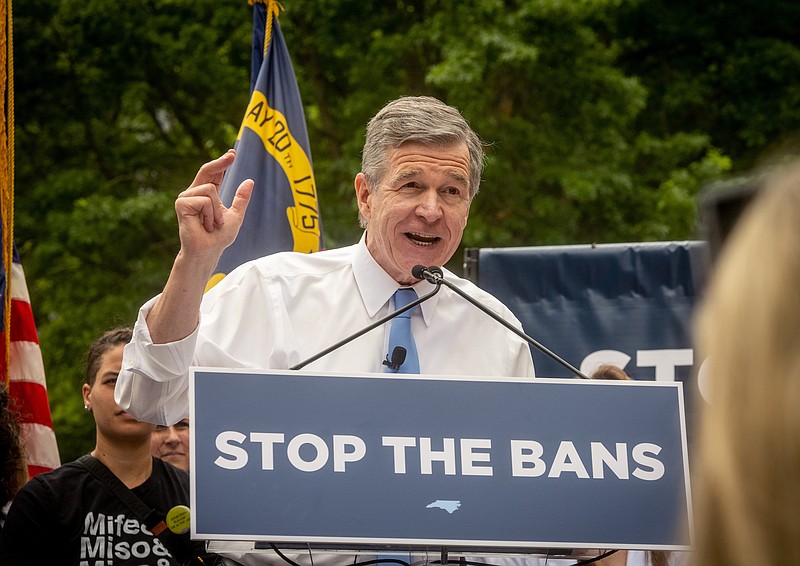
(727, 69)
(116, 108)
(604, 119)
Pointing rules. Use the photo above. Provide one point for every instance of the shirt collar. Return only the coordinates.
(377, 287)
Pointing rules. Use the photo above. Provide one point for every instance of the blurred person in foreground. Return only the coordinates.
(68, 516)
(747, 462)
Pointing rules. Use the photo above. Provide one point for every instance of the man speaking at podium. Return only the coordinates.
(421, 168)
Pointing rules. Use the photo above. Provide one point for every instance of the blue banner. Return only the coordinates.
(626, 304)
(323, 459)
(272, 148)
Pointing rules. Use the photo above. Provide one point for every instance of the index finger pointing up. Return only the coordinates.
(212, 171)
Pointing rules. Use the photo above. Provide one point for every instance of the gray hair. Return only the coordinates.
(422, 119)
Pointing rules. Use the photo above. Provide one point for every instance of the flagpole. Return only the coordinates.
(7, 165)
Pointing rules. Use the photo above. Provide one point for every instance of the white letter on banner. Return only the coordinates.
(468, 457)
(268, 441)
(567, 459)
(294, 452)
(617, 464)
(527, 451)
(239, 454)
(664, 361)
(340, 454)
(399, 443)
(447, 455)
(656, 466)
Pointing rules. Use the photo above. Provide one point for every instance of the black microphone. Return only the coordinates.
(372, 326)
(398, 357)
(432, 274)
(435, 275)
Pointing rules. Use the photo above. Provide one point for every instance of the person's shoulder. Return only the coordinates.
(64, 473)
(168, 485)
(294, 264)
(166, 474)
(291, 263)
(66, 479)
(164, 468)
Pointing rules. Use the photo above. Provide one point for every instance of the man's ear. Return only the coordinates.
(362, 194)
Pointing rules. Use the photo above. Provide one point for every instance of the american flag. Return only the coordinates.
(22, 367)
(21, 364)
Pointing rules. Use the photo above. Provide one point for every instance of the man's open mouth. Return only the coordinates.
(422, 240)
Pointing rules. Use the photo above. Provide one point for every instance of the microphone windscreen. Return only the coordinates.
(398, 356)
(417, 271)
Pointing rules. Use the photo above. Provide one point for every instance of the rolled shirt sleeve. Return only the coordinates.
(153, 382)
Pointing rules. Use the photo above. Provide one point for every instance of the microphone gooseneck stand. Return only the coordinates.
(435, 276)
(366, 329)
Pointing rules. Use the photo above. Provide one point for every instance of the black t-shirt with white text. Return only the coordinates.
(68, 517)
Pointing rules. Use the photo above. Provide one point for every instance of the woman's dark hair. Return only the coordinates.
(106, 341)
(12, 459)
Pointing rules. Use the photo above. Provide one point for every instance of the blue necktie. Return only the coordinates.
(400, 335)
(400, 332)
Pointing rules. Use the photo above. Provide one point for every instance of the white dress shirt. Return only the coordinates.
(280, 310)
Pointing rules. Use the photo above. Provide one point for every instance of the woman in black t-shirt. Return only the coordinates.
(69, 517)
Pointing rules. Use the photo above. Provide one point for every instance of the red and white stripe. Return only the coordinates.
(27, 386)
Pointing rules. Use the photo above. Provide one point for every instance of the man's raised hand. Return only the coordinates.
(205, 225)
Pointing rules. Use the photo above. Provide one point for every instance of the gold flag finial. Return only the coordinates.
(273, 8)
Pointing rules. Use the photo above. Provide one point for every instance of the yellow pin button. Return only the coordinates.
(179, 519)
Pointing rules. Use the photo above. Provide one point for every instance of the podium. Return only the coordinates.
(325, 461)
